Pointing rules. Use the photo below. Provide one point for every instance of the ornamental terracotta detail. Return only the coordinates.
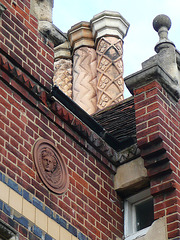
(63, 76)
(110, 83)
(84, 79)
(50, 166)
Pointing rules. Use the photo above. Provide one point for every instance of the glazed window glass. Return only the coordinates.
(138, 214)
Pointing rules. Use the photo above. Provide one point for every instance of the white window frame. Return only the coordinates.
(130, 231)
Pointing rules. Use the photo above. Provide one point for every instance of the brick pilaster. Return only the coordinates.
(158, 131)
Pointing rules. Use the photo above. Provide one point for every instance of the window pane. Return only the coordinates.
(144, 214)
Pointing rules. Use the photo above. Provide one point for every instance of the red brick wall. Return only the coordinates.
(158, 136)
(87, 204)
(21, 40)
(91, 205)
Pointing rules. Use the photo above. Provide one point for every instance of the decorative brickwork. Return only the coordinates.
(33, 216)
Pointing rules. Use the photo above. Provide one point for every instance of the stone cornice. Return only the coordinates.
(151, 73)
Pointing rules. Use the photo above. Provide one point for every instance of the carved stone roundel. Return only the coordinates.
(51, 166)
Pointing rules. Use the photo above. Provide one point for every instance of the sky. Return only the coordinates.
(141, 37)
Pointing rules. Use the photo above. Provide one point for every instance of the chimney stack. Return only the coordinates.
(97, 50)
(109, 28)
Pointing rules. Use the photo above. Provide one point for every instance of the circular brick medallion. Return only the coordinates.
(50, 166)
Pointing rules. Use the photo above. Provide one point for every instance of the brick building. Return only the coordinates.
(77, 161)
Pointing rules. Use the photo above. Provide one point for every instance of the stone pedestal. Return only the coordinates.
(109, 29)
(63, 68)
(84, 66)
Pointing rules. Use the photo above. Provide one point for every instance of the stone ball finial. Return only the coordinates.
(162, 24)
(161, 21)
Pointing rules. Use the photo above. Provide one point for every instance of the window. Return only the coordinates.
(138, 214)
(6, 233)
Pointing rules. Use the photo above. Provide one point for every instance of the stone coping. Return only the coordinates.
(151, 73)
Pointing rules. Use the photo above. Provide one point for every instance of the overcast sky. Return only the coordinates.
(141, 38)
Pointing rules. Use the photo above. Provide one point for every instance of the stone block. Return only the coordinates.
(64, 234)
(22, 220)
(7, 209)
(14, 186)
(37, 231)
(37, 204)
(15, 201)
(47, 237)
(53, 229)
(41, 220)
(130, 175)
(74, 238)
(42, 10)
(81, 236)
(72, 230)
(28, 210)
